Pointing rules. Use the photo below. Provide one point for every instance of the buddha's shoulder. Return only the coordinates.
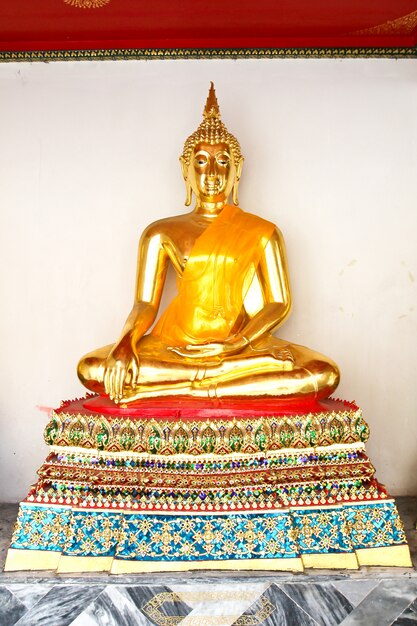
(275, 232)
(167, 226)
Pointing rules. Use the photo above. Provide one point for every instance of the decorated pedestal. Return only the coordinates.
(194, 485)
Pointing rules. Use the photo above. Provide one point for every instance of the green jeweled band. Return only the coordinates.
(215, 436)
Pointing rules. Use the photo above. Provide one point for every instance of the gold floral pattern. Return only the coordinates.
(87, 4)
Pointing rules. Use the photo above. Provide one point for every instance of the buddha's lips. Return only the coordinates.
(212, 187)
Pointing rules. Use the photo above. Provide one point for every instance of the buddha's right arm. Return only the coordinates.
(140, 319)
(151, 271)
(150, 278)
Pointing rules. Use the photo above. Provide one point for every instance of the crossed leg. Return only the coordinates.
(255, 372)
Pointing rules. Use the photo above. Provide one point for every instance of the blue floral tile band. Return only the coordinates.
(186, 538)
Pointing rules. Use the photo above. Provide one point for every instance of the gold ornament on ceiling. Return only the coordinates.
(87, 4)
(403, 25)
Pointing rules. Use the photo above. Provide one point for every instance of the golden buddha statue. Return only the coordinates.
(215, 338)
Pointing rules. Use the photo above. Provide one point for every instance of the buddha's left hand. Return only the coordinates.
(229, 346)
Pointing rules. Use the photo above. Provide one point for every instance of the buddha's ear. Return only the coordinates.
(184, 167)
(235, 195)
(188, 193)
(188, 189)
(239, 167)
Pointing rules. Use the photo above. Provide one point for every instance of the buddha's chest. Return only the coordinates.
(179, 246)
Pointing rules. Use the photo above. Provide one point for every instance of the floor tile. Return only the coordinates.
(113, 607)
(60, 606)
(29, 594)
(408, 617)
(218, 605)
(11, 609)
(384, 604)
(355, 590)
(158, 603)
(323, 602)
(275, 608)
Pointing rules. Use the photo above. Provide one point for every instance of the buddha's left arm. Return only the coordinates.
(273, 278)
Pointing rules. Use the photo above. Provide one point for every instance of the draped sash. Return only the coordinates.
(216, 278)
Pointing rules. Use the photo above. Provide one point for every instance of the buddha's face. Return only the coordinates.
(212, 172)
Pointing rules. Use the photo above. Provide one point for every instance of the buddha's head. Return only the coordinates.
(211, 161)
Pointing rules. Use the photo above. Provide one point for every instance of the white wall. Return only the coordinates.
(89, 156)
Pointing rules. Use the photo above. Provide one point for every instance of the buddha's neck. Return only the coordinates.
(208, 209)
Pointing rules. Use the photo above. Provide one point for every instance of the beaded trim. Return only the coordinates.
(202, 53)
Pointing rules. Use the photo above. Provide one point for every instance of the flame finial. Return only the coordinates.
(211, 130)
(212, 106)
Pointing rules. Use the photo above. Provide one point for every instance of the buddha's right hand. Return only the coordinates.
(121, 366)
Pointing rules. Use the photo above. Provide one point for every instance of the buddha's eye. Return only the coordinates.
(200, 160)
(223, 159)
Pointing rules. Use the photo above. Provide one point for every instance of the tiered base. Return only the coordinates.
(242, 486)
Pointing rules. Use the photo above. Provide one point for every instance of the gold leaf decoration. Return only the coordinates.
(403, 25)
(87, 4)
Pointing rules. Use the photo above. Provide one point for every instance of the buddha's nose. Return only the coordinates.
(211, 169)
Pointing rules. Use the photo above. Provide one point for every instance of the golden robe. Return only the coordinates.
(216, 279)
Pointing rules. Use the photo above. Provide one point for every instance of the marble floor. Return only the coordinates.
(369, 597)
